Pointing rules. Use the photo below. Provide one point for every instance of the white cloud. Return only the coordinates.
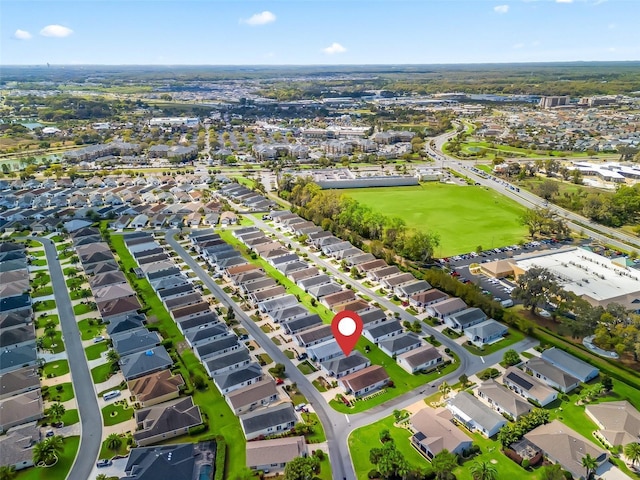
(57, 31)
(334, 48)
(564, 1)
(261, 18)
(502, 9)
(21, 35)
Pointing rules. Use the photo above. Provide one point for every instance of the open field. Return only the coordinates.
(464, 217)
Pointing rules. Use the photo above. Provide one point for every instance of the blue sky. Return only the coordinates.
(248, 32)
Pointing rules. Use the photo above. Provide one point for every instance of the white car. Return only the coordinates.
(544, 313)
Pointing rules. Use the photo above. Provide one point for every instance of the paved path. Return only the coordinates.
(90, 417)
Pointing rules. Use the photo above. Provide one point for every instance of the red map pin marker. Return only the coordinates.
(347, 328)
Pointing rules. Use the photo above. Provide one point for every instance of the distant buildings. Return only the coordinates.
(554, 101)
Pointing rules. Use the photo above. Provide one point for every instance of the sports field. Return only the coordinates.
(464, 216)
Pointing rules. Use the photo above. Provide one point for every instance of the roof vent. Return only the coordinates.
(149, 353)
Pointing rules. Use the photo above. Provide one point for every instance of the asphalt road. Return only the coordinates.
(576, 222)
(88, 410)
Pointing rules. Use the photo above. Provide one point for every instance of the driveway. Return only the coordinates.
(90, 417)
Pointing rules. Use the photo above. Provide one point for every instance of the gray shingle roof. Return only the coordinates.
(268, 417)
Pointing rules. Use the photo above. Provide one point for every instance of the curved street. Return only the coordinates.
(88, 410)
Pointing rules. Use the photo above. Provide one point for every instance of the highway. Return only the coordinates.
(339, 426)
(575, 222)
(88, 410)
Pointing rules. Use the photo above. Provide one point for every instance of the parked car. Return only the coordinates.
(98, 339)
(105, 462)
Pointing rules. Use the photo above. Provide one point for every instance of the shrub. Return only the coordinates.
(198, 429)
(373, 474)
(511, 454)
(525, 463)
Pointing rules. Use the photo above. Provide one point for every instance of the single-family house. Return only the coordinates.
(423, 358)
(166, 420)
(565, 446)
(466, 318)
(619, 422)
(383, 331)
(268, 421)
(435, 432)
(156, 388)
(143, 363)
(503, 400)
(551, 375)
(22, 408)
(474, 415)
(227, 362)
(238, 378)
(447, 307)
(365, 381)
(528, 386)
(400, 344)
(486, 332)
(342, 365)
(256, 395)
(273, 455)
(568, 363)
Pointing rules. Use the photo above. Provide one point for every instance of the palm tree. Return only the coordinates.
(114, 441)
(7, 472)
(55, 412)
(444, 389)
(483, 471)
(632, 452)
(443, 463)
(113, 356)
(47, 451)
(590, 464)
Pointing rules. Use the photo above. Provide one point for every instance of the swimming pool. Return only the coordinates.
(205, 472)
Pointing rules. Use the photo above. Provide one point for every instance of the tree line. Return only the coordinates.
(385, 236)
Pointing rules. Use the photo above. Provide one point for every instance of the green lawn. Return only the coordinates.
(59, 393)
(318, 432)
(55, 369)
(44, 305)
(463, 216)
(60, 470)
(107, 453)
(264, 359)
(54, 344)
(87, 332)
(362, 440)
(41, 278)
(44, 318)
(93, 352)
(82, 308)
(70, 417)
(38, 263)
(512, 337)
(42, 291)
(306, 368)
(101, 373)
(115, 413)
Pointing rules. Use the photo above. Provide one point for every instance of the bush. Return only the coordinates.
(373, 474)
(489, 373)
(525, 463)
(511, 454)
(221, 457)
(198, 429)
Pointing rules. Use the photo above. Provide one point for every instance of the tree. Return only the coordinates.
(464, 380)
(632, 452)
(301, 468)
(552, 472)
(483, 471)
(535, 286)
(444, 389)
(607, 383)
(113, 356)
(548, 189)
(511, 357)
(55, 412)
(114, 441)
(102, 476)
(278, 370)
(389, 461)
(7, 472)
(385, 435)
(590, 464)
(443, 463)
(47, 451)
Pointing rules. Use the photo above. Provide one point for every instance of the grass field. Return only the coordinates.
(464, 217)
(59, 393)
(116, 413)
(55, 369)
